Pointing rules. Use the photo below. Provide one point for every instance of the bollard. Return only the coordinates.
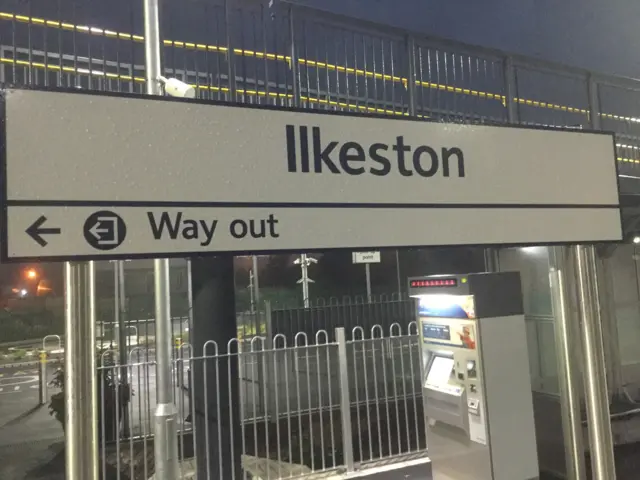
(42, 377)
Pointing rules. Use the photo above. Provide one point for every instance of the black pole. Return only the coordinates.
(214, 318)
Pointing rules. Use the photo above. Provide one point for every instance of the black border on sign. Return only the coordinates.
(139, 256)
(5, 203)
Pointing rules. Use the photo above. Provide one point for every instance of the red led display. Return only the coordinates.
(434, 283)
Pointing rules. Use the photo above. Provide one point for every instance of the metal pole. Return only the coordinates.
(80, 392)
(411, 74)
(491, 261)
(510, 88)
(596, 395)
(256, 282)
(398, 272)
(231, 58)
(345, 401)
(166, 414)
(42, 377)
(190, 297)
(568, 359)
(367, 271)
(295, 84)
(251, 292)
(304, 266)
(118, 268)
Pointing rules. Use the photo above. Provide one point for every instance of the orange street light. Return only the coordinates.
(32, 274)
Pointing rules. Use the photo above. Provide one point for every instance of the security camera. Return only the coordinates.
(176, 88)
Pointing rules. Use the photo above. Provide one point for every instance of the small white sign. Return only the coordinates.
(365, 257)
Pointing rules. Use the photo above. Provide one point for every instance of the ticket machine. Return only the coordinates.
(476, 383)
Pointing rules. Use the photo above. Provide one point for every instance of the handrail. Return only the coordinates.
(285, 58)
(608, 80)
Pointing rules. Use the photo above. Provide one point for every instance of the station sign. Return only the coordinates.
(98, 176)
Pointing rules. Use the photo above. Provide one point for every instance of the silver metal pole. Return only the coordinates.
(398, 272)
(304, 266)
(256, 282)
(491, 261)
(367, 271)
(190, 296)
(345, 401)
(610, 331)
(42, 378)
(568, 359)
(166, 414)
(251, 292)
(120, 302)
(80, 392)
(596, 395)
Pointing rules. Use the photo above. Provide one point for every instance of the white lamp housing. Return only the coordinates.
(176, 88)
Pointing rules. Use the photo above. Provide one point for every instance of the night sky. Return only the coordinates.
(602, 35)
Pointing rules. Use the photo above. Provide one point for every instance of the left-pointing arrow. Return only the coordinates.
(36, 231)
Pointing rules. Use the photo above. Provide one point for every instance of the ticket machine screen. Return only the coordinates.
(440, 371)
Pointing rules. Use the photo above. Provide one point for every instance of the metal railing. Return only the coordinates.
(295, 56)
(314, 405)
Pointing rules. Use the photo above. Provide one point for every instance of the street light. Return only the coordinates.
(304, 261)
(31, 274)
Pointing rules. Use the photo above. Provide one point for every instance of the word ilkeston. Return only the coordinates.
(175, 225)
(353, 158)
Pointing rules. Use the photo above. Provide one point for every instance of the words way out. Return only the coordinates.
(177, 226)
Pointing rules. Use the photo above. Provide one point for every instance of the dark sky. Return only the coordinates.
(602, 35)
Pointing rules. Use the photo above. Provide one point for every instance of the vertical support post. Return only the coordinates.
(594, 103)
(216, 389)
(609, 320)
(510, 88)
(596, 395)
(491, 259)
(304, 267)
(231, 58)
(256, 282)
(166, 414)
(615, 378)
(251, 292)
(411, 74)
(367, 271)
(80, 392)
(345, 401)
(295, 70)
(120, 302)
(569, 356)
(270, 388)
(189, 296)
(42, 379)
(492, 255)
(399, 279)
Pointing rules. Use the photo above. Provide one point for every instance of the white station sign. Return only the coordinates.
(365, 257)
(97, 176)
